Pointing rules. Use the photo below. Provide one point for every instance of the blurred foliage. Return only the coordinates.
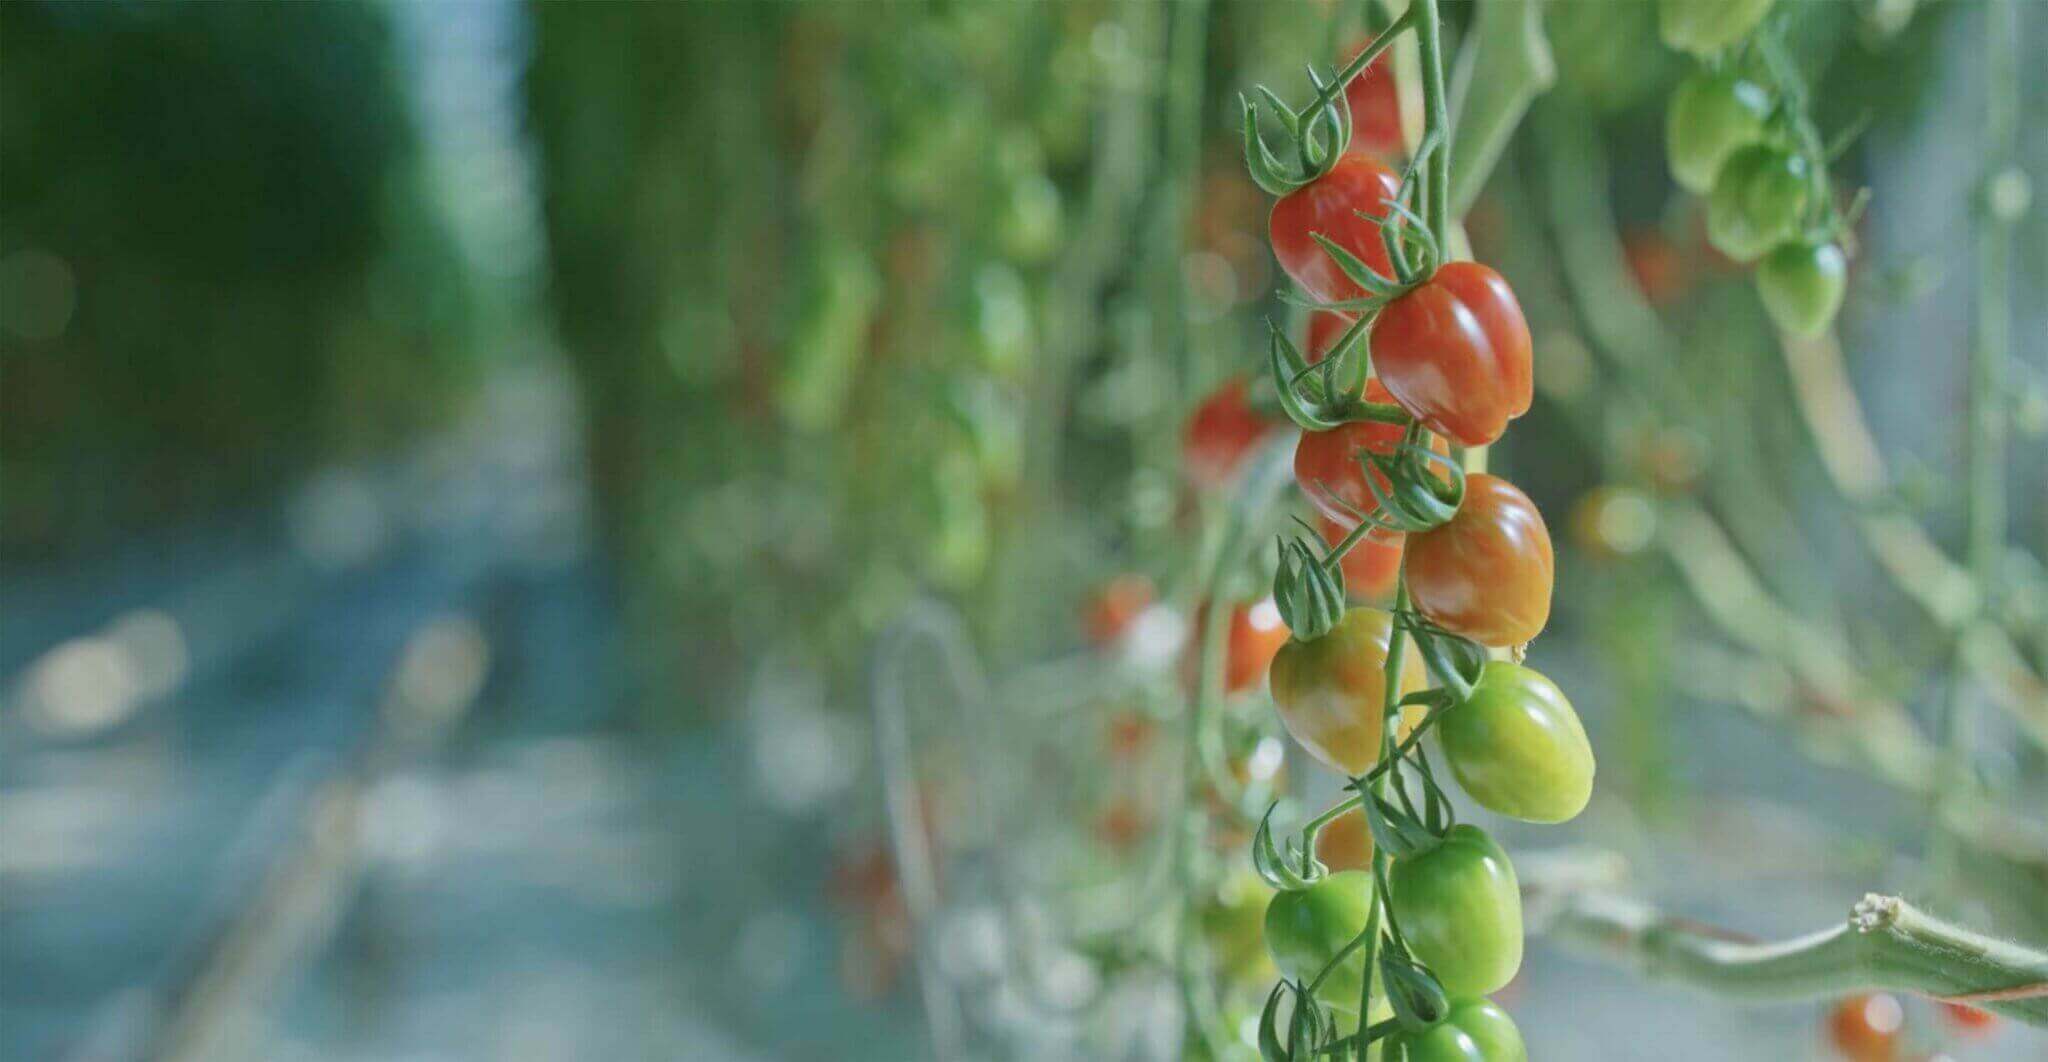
(216, 260)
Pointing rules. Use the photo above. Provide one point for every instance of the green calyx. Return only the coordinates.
(1316, 135)
(1308, 592)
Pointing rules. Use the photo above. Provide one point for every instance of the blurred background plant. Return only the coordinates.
(738, 530)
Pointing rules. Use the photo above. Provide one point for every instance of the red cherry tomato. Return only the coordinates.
(1328, 469)
(1112, 608)
(1375, 99)
(1372, 564)
(1220, 432)
(1968, 1020)
(1866, 1028)
(1325, 328)
(1455, 352)
(1256, 633)
(1486, 574)
(1330, 205)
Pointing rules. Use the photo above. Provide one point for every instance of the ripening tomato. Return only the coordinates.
(1485, 574)
(1256, 633)
(1963, 1018)
(1330, 471)
(1372, 565)
(1346, 842)
(1712, 115)
(1461, 910)
(1330, 692)
(1866, 1028)
(1306, 928)
(1475, 1030)
(1758, 201)
(1656, 266)
(1455, 353)
(1330, 205)
(1704, 27)
(1517, 747)
(1801, 284)
(1375, 99)
(1114, 605)
(1220, 432)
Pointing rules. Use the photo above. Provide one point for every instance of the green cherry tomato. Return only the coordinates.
(1712, 115)
(1476, 1030)
(1517, 746)
(1461, 910)
(1801, 284)
(1758, 201)
(1306, 928)
(1704, 27)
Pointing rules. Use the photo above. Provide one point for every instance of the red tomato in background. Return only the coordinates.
(1455, 352)
(1375, 98)
(1866, 1028)
(1330, 205)
(1256, 633)
(1112, 608)
(1487, 573)
(1372, 564)
(1220, 432)
(1968, 1020)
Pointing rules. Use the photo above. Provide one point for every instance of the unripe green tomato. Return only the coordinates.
(1476, 1030)
(1758, 201)
(1801, 284)
(1517, 747)
(1711, 117)
(1306, 928)
(1704, 27)
(1460, 909)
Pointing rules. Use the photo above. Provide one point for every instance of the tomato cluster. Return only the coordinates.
(1731, 141)
(1408, 360)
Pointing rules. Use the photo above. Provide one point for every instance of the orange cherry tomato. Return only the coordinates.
(1220, 432)
(1455, 352)
(1372, 565)
(1968, 1020)
(1346, 843)
(1330, 691)
(1112, 608)
(1486, 574)
(1866, 1028)
(1256, 633)
(1330, 205)
(1375, 98)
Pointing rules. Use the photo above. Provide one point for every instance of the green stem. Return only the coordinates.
(1506, 65)
(1885, 944)
(1437, 118)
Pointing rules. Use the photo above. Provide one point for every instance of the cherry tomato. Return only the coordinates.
(1330, 692)
(1346, 843)
(1220, 433)
(1330, 205)
(1306, 928)
(1659, 271)
(1455, 353)
(1474, 1031)
(1963, 1018)
(1712, 115)
(1256, 633)
(1329, 471)
(1375, 98)
(1112, 608)
(1517, 746)
(1801, 284)
(1866, 1028)
(1704, 27)
(1485, 574)
(1758, 201)
(1461, 910)
(1371, 566)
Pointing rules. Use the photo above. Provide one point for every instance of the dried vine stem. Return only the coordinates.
(1885, 943)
